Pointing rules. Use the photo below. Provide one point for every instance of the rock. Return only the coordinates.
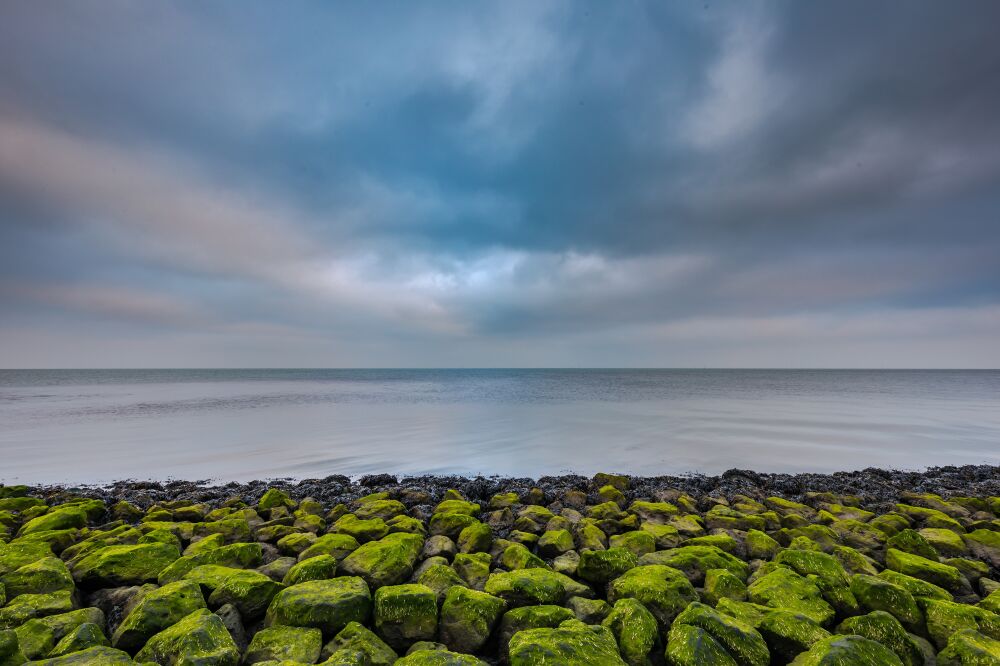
(337, 546)
(155, 611)
(237, 555)
(634, 628)
(113, 566)
(474, 568)
(319, 567)
(301, 644)
(86, 635)
(249, 591)
(439, 545)
(945, 618)
(102, 655)
(274, 498)
(529, 617)
(573, 643)
(405, 614)
(847, 651)
(35, 638)
(984, 544)
(554, 543)
(694, 561)
(10, 650)
(913, 542)
(788, 634)
(58, 518)
(741, 641)
(234, 625)
(526, 587)
(600, 566)
(450, 524)
(688, 645)
(475, 538)
(877, 594)
(328, 605)
(27, 606)
(663, 590)
(439, 658)
(439, 579)
(969, 648)
(945, 576)
(468, 617)
(361, 530)
(516, 556)
(722, 584)
(946, 542)
(784, 589)
(884, 628)
(277, 569)
(388, 561)
(47, 574)
(760, 546)
(367, 648)
(200, 636)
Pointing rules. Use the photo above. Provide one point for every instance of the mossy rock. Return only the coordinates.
(939, 574)
(100, 655)
(970, 648)
(86, 635)
(884, 628)
(665, 536)
(48, 574)
(62, 624)
(16, 555)
(250, 592)
(600, 566)
(199, 638)
(991, 602)
(530, 617)
(694, 561)
(10, 649)
(947, 543)
(913, 542)
(319, 567)
(474, 568)
(740, 640)
(945, 618)
(689, 645)
(636, 541)
(663, 590)
(337, 546)
(458, 506)
(589, 611)
(573, 643)
(405, 614)
(58, 518)
(854, 562)
(450, 524)
(818, 564)
(155, 611)
(35, 638)
(722, 584)
(847, 651)
(653, 512)
(388, 561)
(440, 578)
(274, 497)
(635, 629)
(784, 589)
(526, 587)
(362, 530)
(788, 634)
(328, 605)
(28, 606)
(356, 645)
(439, 658)
(476, 538)
(984, 544)
(468, 617)
(878, 594)
(383, 508)
(406, 524)
(299, 644)
(114, 566)
(209, 576)
(516, 556)
(554, 543)
(293, 544)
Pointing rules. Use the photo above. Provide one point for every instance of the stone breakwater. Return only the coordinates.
(871, 567)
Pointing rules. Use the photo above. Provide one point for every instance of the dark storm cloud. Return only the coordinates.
(403, 183)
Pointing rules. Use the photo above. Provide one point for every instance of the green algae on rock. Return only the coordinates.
(468, 617)
(572, 643)
(324, 604)
(201, 637)
(388, 561)
(155, 611)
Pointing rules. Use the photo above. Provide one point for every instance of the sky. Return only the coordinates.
(500, 184)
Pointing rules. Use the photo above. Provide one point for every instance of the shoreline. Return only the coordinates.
(875, 487)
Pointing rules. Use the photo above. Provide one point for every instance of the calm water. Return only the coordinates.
(99, 425)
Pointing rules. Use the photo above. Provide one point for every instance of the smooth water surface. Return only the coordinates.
(90, 426)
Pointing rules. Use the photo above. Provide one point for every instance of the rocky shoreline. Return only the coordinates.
(744, 568)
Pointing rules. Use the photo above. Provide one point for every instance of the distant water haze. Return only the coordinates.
(93, 426)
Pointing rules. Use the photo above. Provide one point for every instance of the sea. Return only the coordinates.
(97, 426)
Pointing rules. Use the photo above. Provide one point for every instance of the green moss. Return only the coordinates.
(970, 648)
(209, 576)
(788, 634)
(665, 591)
(274, 498)
(571, 644)
(450, 524)
(94, 656)
(27, 606)
(944, 618)
(991, 602)
(293, 544)
(47, 574)
(201, 637)
(84, 636)
(113, 566)
(476, 538)
(984, 544)
(249, 591)
(440, 578)
(526, 586)
(637, 541)
(405, 614)
(155, 611)
(653, 512)
(338, 546)
(787, 590)
(301, 644)
(720, 584)
(503, 500)
(516, 556)
(312, 568)
(939, 574)
(35, 638)
(853, 561)
(590, 537)
(388, 561)
(600, 566)
(847, 651)
(474, 568)
(740, 640)
(357, 645)
(458, 506)
(635, 630)
(58, 518)
(819, 564)
(405, 524)
(946, 542)
(382, 508)
(877, 594)
(918, 588)
(665, 536)
(913, 542)
(439, 658)
(554, 543)
(324, 604)
(468, 618)
(688, 645)
(362, 530)
(589, 611)
(884, 628)
(694, 561)
(530, 617)
(760, 546)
